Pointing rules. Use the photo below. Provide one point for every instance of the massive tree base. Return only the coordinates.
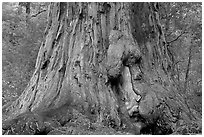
(102, 69)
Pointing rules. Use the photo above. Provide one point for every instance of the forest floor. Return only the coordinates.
(80, 124)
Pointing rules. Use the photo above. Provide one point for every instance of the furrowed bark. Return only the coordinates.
(107, 60)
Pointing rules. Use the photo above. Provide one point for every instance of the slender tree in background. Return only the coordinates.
(109, 61)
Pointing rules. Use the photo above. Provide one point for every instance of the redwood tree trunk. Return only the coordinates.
(109, 61)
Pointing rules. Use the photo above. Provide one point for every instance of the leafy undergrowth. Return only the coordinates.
(190, 128)
(81, 125)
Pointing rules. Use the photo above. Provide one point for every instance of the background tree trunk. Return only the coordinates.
(110, 61)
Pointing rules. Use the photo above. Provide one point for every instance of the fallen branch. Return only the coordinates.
(168, 42)
(39, 12)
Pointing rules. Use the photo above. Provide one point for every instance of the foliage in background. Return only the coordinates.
(182, 24)
(20, 44)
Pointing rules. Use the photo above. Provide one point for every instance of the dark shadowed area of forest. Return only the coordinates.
(101, 68)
